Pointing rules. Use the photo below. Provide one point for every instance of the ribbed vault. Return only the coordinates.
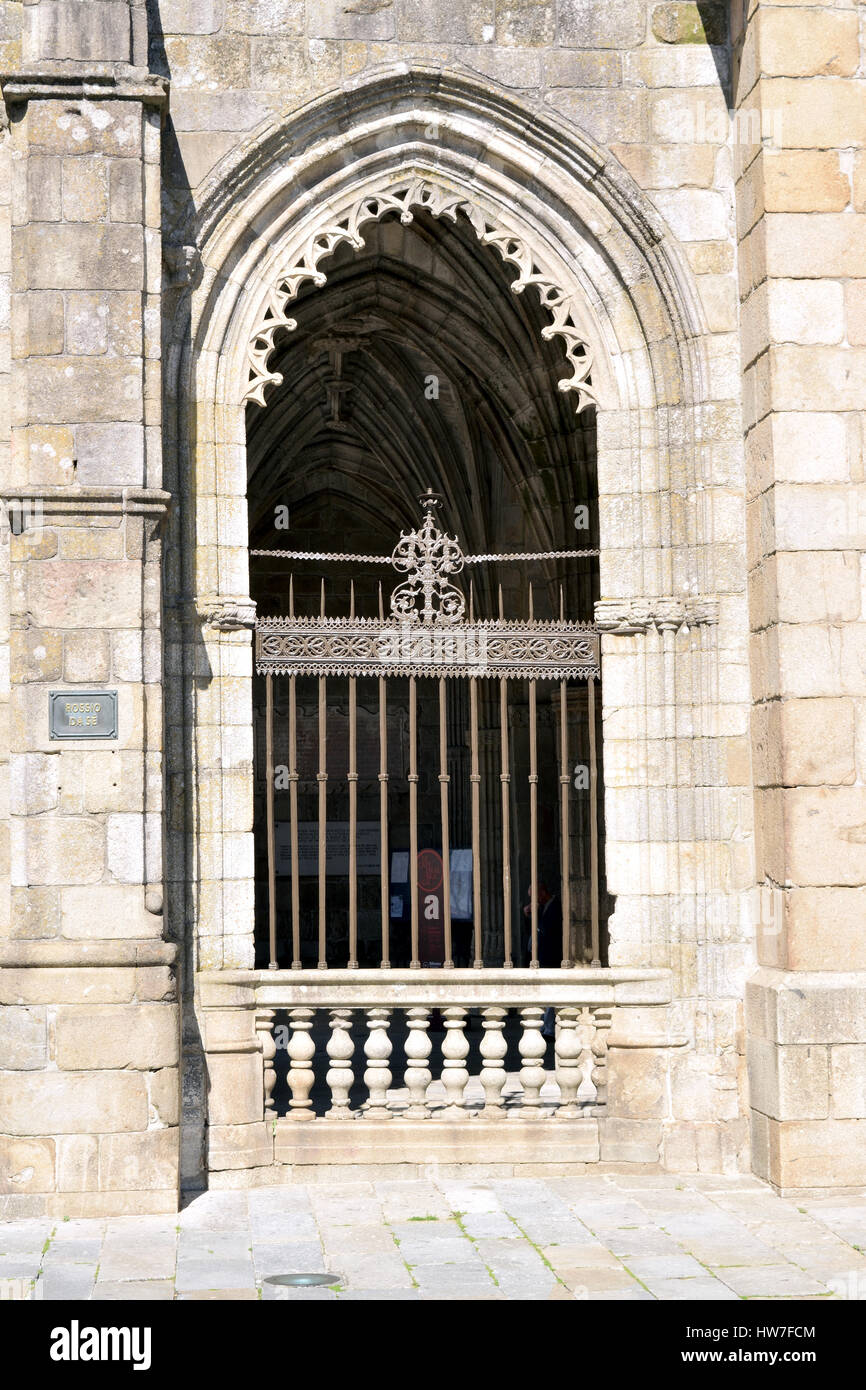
(415, 366)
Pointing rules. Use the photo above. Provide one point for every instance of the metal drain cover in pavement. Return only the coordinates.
(302, 1281)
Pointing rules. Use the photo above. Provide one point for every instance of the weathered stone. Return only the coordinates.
(690, 23)
(73, 256)
(65, 849)
(77, 1163)
(803, 181)
(73, 1102)
(132, 1162)
(141, 1036)
(26, 1165)
(796, 44)
(583, 24)
(23, 1038)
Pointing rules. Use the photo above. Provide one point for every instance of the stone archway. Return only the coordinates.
(622, 303)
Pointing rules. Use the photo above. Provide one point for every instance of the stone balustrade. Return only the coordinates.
(395, 1066)
(580, 1046)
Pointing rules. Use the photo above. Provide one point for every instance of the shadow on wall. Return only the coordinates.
(712, 26)
(180, 271)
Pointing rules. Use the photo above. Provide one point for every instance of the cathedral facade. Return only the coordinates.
(319, 799)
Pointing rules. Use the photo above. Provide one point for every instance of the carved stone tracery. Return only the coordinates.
(417, 192)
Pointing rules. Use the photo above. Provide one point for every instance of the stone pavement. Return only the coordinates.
(460, 1233)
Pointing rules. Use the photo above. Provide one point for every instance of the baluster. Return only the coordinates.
(377, 1077)
(267, 1042)
(301, 1050)
(493, 1051)
(603, 1019)
(569, 1050)
(340, 1048)
(532, 1048)
(417, 1049)
(455, 1050)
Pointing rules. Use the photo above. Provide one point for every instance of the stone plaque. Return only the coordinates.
(82, 714)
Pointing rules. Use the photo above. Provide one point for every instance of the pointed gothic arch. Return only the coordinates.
(624, 306)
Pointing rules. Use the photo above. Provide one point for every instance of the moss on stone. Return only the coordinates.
(690, 23)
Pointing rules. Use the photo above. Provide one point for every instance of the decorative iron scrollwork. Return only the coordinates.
(427, 555)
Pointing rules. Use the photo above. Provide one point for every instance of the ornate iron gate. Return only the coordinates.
(431, 633)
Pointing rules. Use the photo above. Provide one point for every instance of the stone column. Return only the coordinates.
(89, 1090)
(801, 193)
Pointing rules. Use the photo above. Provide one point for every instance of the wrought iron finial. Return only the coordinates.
(427, 555)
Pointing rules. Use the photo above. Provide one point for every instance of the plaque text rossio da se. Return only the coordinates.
(82, 714)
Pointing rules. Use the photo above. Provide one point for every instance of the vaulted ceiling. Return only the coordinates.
(415, 366)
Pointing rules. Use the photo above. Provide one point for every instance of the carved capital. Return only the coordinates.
(627, 616)
(226, 612)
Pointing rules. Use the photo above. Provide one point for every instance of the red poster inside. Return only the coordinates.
(431, 932)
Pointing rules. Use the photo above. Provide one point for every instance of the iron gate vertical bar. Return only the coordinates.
(272, 880)
(412, 779)
(593, 824)
(533, 812)
(353, 808)
(444, 782)
(475, 784)
(322, 779)
(293, 803)
(533, 826)
(505, 788)
(564, 830)
(353, 824)
(293, 822)
(384, 881)
(384, 877)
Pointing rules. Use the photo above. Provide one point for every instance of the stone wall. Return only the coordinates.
(144, 139)
(802, 262)
(88, 1090)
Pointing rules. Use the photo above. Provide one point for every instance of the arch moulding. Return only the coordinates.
(622, 303)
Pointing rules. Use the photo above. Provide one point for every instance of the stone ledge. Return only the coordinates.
(545, 1140)
(65, 954)
(74, 79)
(398, 989)
(89, 501)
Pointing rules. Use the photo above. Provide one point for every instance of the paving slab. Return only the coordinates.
(275, 1227)
(490, 1223)
(220, 1245)
(651, 1267)
(300, 1257)
(214, 1274)
(374, 1271)
(84, 1250)
(129, 1257)
(72, 1282)
(609, 1235)
(148, 1290)
(769, 1281)
(211, 1295)
(23, 1237)
(685, 1290)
